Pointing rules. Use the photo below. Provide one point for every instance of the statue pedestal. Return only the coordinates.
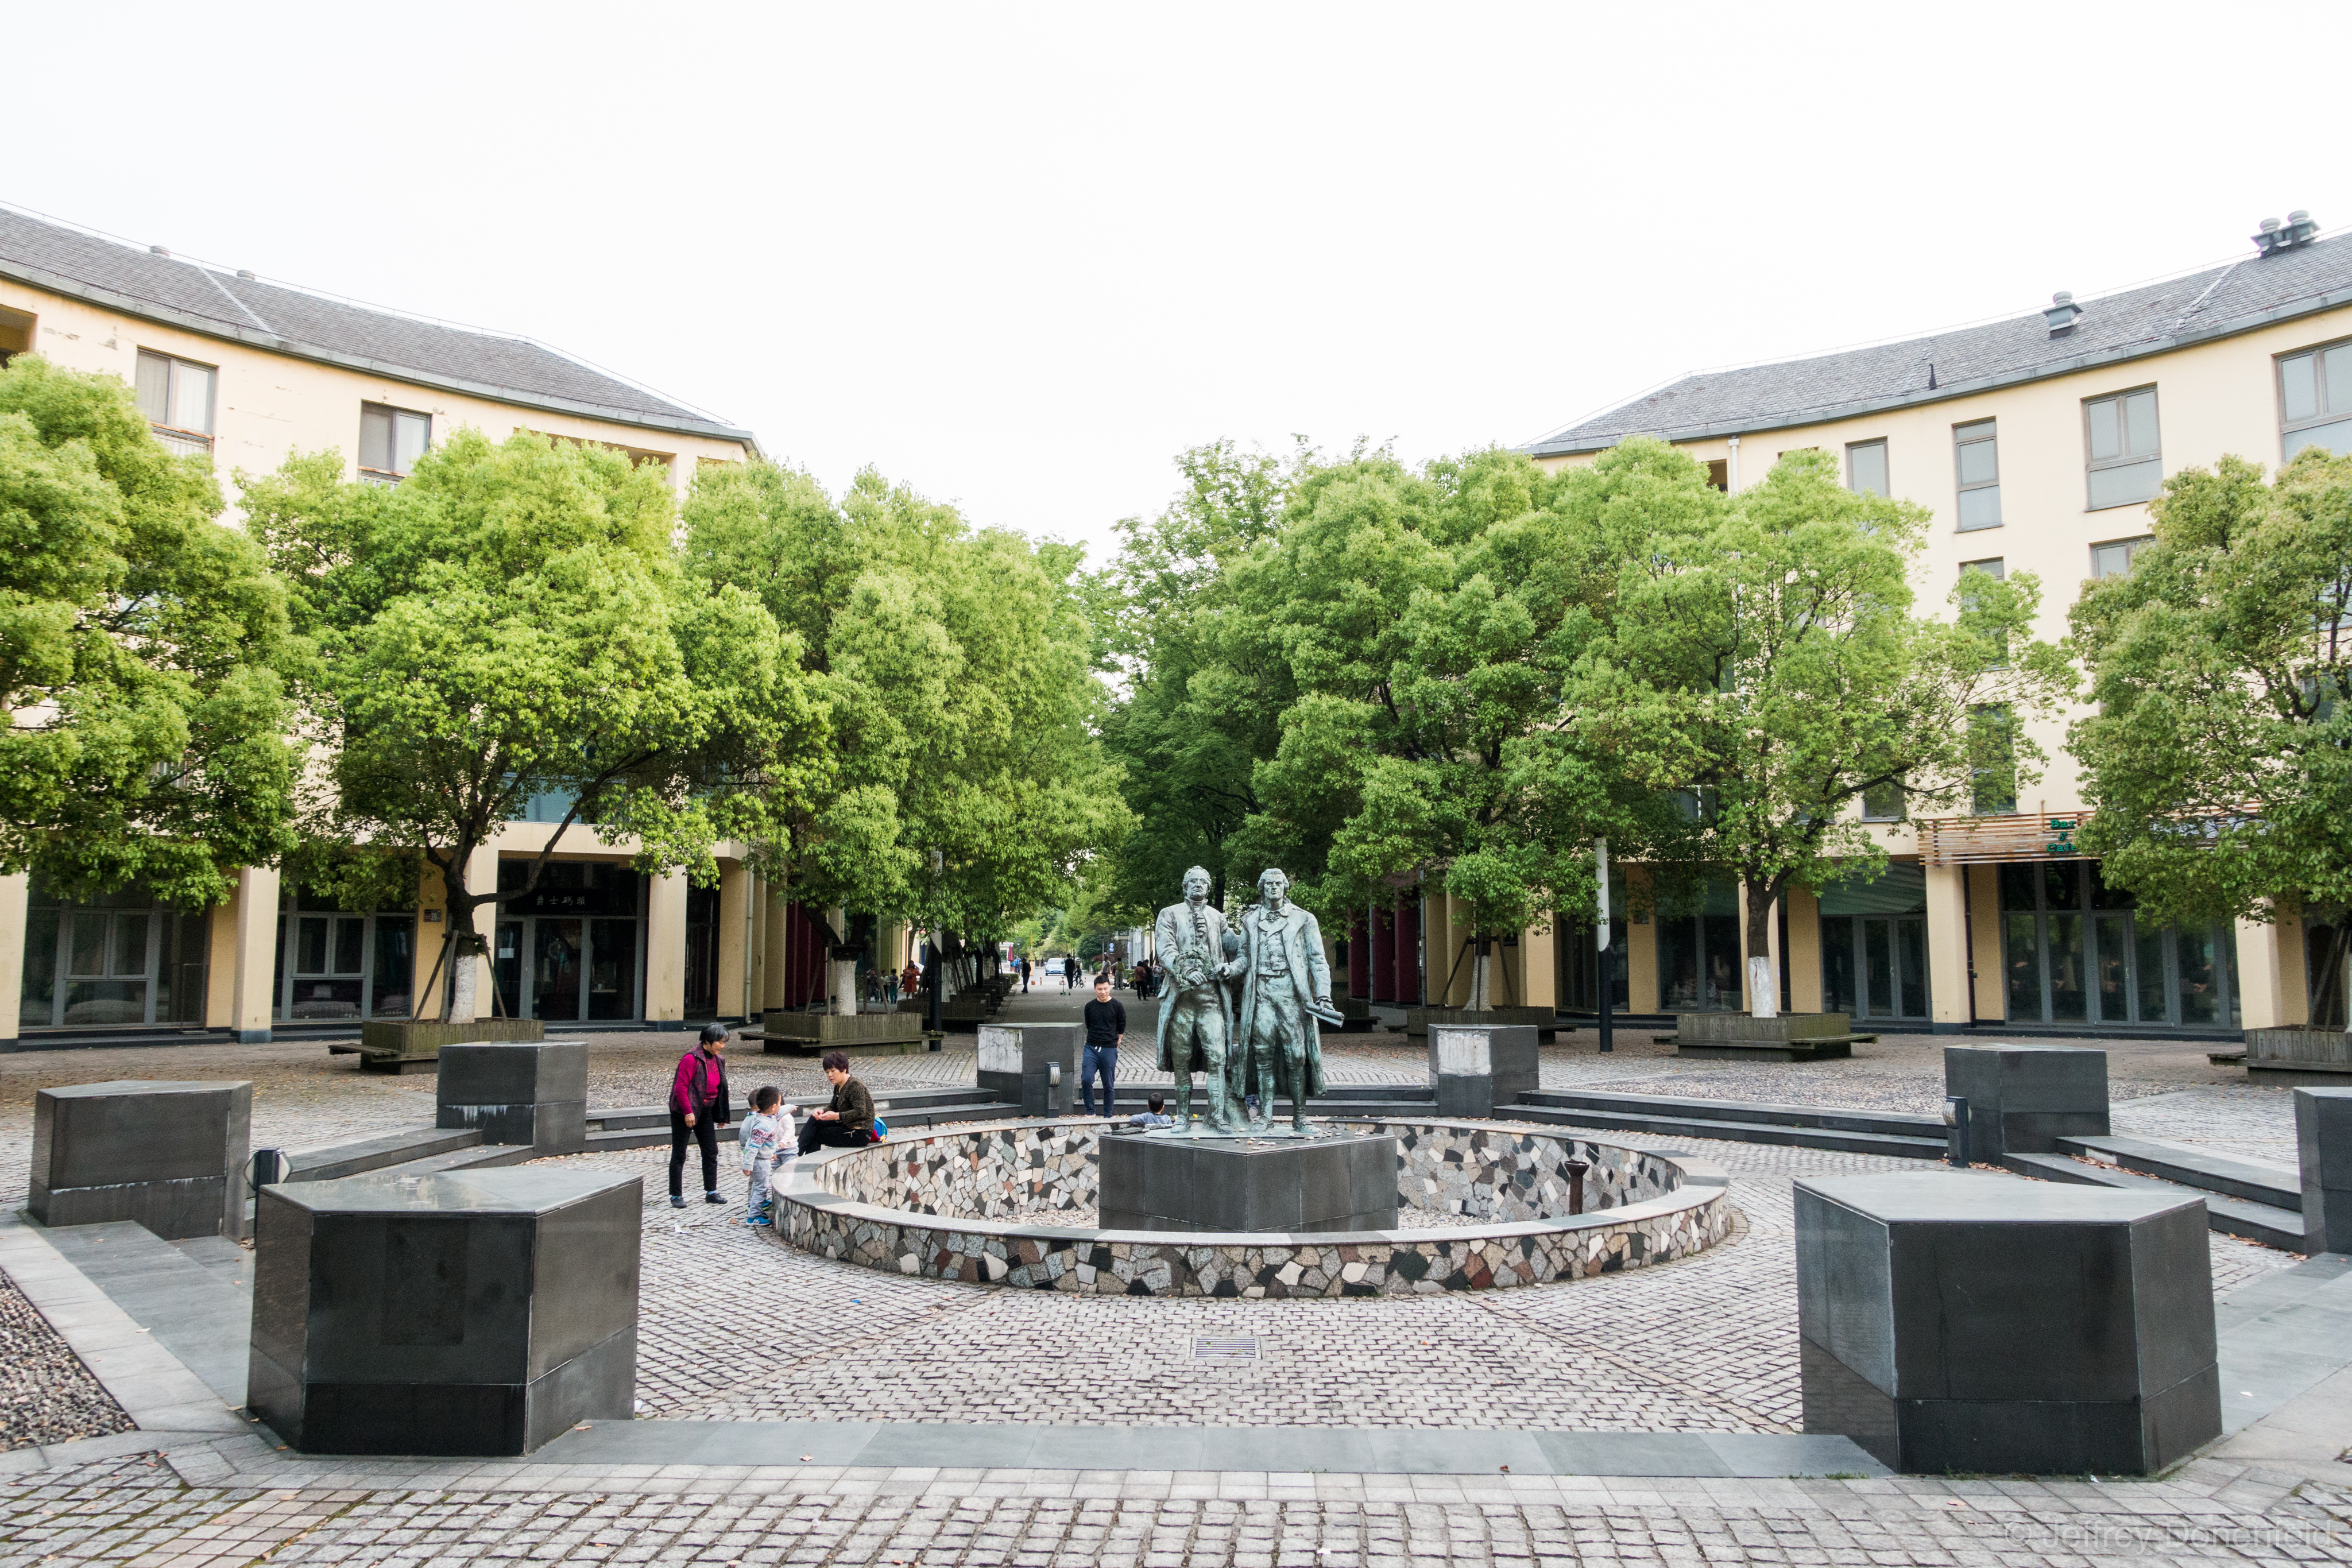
(1336, 1182)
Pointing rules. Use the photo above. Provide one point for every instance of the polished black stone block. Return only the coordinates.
(2023, 1098)
(2322, 1136)
(478, 1313)
(1957, 1320)
(171, 1155)
(535, 1092)
(1335, 1182)
(1476, 1067)
(1016, 1062)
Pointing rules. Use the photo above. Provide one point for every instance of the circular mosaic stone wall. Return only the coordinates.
(1008, 1204)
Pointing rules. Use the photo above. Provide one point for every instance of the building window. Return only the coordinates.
(1993, 567)
(1865, 468)
(391, 441)
(1875, 944)
(2127, 466)
(16, 335)
(333, 965)
(2074, 951)
(1977, 456)
(2315, 400)
(121, 959)
(2115, 558)
(177, 396)
(1883, 803)
(1718, 474)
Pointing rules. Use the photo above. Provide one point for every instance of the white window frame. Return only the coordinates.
(1963, 436)
(176, 431)
(2127, 458)
(2131, 548)
(2327, 414)
(394, 415)
(1885, 467)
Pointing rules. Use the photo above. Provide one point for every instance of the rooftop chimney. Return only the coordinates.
(2298, 230)
(245, 273)
(2061, 313)
(158, 250)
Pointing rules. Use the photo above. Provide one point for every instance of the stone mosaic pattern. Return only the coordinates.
(973, 1191)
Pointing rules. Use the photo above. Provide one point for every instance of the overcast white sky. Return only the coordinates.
(1020, 256)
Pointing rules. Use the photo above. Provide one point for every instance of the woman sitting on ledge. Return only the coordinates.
(849, 1121)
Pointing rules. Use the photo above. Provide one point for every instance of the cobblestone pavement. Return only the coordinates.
(46, 1395)
(134, 1511)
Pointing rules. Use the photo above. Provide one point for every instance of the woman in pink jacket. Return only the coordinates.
(697, 1108)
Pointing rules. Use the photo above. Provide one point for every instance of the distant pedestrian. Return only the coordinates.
(1024, 976)
(911, 979)
(1106, 1029)
(1070, 972)
(848, 1121)
(698, 1109)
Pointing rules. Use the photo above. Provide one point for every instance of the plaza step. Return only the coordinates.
(364, 1155)
(2185, 1164)
(2262, 1222)
(1890, 1133)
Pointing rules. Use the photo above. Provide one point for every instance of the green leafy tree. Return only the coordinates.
(510, 621)
(2217, 764)
(1201, 695)
(1765, 663)
(954, 670)
(1430, 620)
(142, 643)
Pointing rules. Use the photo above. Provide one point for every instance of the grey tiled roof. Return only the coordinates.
(266, 315)
(2116, 327)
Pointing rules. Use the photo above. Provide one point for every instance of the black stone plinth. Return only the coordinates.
(170, 1155)
(2023, 1098)
(1476, 1067)
(1335, 1182)
(2322, 1136)
(535, 1092)
(480, 1313)
(1016, 1059)
(1959, 1321)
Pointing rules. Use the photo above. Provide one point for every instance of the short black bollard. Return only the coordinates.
(271, 1166)
(1576, 1169)
(1956, 1117)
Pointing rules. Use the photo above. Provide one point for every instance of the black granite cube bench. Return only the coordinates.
(531, 1092)
(1476, 1067)
(2023, 1098)
(1016, 1062)
(1334, 1182)
(1962, 1320)
(481, 1313)
(171, 1155)
(2323, 1135)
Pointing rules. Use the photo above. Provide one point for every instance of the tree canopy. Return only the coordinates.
(509, 622)
(2217, 765)
(1767, 666)
(142, 646)
(952, 670)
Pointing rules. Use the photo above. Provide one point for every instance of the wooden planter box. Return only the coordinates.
(871, 1034)
(1418, 1019)
(2299, 1054)
(414, 1046)
(1791, 1037)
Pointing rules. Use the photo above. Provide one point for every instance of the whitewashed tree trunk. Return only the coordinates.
(1763, 987)
(1481, 979)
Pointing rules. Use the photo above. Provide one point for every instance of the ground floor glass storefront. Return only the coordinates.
(334, 965)
(1698, 951)
(112, 961)
(1874, 946)
(2073, 951)
(573, 947)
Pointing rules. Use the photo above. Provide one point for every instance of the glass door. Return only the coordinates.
(555, 969)
(108, 962)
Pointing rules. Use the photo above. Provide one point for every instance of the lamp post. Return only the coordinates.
(1601, 942)
(937, 1024)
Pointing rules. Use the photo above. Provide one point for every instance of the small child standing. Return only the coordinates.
(767, 1130)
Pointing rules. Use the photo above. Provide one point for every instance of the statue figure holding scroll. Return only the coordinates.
(1194, 1034)
(1286, 990)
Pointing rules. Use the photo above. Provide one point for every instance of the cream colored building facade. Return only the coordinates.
(2034, 441)
(246, 372)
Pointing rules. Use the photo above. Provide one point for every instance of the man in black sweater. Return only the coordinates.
(1106, 1027)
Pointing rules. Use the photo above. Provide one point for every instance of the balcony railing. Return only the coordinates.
(184, 442)
(1986, 841)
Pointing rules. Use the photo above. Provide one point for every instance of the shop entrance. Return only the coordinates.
(572, 950)
(1874, 946)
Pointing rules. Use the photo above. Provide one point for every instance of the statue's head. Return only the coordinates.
(1197, 883)
(1273, 885)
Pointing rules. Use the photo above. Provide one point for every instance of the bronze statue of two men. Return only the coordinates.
(1243, 1005)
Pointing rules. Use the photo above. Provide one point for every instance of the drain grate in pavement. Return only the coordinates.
(1238, 1347)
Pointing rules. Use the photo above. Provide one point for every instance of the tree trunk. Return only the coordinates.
(843, 972)
(1763, 978)
(2328, 985)
(1482, 976)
